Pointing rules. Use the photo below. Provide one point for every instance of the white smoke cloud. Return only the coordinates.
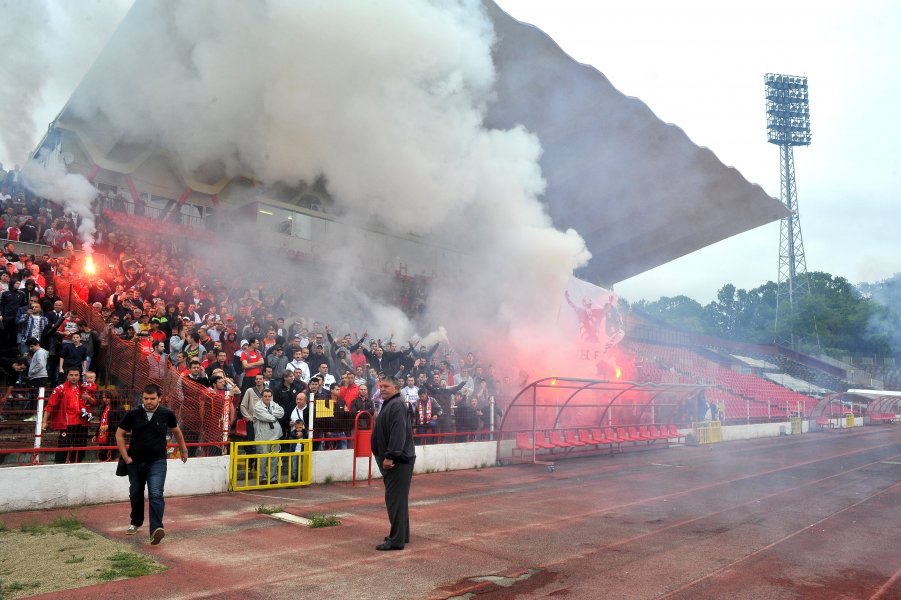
(23, 71)
(46, 176)
(48, 46)
(387, 100)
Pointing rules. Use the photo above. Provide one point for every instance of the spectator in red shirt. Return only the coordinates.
(89, 387)
(157, 334)
(252, 360)
(66, 413)
(349, 391)
(13, 233)
(181, 364)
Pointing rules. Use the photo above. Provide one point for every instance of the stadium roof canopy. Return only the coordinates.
(637, 189)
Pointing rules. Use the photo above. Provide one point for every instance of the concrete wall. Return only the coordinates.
(338, 464)
(57, 486)
(758, 430)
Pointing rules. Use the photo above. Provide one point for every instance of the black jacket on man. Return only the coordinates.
(286, 397)
(389, 363)
(392, 436)
(11, 301)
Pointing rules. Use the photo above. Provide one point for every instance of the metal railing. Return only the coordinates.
(268, 465)
(708, 432)
(48, 454)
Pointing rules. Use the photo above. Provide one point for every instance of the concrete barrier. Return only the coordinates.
(58, 486)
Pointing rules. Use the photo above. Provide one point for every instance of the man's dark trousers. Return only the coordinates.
(397, 496)
(152, 475)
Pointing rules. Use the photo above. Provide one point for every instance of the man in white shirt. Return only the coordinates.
(298, 429)
(410, 392)
(328, 380)
(299, 367)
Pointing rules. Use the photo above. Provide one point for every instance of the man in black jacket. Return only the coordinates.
(381, 360)
(317, 358)
(285, 395)
(145, 457)
(395, 455)
(11, 301)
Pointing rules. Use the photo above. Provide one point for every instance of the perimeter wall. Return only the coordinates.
(58, 486)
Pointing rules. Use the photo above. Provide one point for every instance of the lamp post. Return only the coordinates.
(788, 125)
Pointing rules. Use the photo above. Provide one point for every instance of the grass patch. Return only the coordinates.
(317, 520)
(262, 509)
(66, 524)
(329, 480)
(33, 528)
(13, 587)
(69, 525)
(128, 564)
(69, 556)
(3, 528)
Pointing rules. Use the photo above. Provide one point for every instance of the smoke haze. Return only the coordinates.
(48, 47)
(387, 100)
(46, 176)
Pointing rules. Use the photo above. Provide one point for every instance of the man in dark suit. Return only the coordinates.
(395, 455)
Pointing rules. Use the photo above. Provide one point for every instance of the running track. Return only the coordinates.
(813, 516)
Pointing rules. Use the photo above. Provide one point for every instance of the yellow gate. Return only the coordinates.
(796, 425)
(708, 432)
(268, 465)
(849, 420)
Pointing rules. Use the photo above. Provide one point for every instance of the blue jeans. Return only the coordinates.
(151, 474)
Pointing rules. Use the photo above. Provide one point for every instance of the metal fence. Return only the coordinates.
(128, 366)
(270, 464)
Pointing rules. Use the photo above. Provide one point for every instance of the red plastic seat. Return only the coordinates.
(674, 433)
(523, 444)
(541, 441)
(600, 437)
(570, 436)
(523, 441)
(589, 438)
(625, 434)
(556, 438)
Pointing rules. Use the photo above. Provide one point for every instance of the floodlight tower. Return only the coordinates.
(788, 125)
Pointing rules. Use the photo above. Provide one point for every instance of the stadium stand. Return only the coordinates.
(743, 396)
(142, 297)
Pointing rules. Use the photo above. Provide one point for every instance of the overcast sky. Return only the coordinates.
(700, 65)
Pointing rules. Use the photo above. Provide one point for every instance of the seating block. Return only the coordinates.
(569, 437)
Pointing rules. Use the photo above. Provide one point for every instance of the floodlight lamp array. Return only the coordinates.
(788, 110)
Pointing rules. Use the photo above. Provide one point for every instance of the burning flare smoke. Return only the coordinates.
(386, 101)
(46, 176)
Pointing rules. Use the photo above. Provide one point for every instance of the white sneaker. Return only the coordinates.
(132, 529)
(157, 535)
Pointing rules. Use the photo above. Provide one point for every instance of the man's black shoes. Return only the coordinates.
(386, 546)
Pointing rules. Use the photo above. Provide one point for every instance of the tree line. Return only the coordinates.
(837, 318)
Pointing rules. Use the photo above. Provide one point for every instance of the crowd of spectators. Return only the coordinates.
(229, 335)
